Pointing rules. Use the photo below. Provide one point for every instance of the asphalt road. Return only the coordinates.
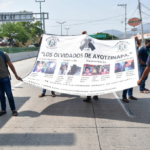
(67, 123)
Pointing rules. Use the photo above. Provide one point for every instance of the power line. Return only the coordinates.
(145, 13)
(89, 22)
(146, 7)
(134, 11)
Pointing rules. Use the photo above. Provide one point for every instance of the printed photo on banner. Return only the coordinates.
(40, 66)
(63, 68)
(106, 69)
(124, 66)
(87, 70)
(51, 68)
(74, 70)
(97, 70)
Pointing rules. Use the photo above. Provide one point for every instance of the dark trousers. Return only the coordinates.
(142, 86)
(5, 87)
(44, 91)
(129, 91)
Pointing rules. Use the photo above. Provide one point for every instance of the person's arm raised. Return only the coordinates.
(14, 70)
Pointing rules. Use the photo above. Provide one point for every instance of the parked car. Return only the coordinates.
(36, 45)
(2, 44)
(31, 46)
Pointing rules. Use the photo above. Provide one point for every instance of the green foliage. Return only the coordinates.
(108, 36)
(32, 28)
(23, 32)
(15, 31)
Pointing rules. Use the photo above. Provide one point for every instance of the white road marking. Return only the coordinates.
(17, 85)
(125, 108)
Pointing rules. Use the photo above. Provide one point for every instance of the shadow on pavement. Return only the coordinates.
(43, 139)
(19, 102)
(103, 108)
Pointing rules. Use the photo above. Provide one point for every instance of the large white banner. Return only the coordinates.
(81, 65)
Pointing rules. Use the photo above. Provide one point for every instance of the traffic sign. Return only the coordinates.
(93, 36)
(134, 29)
(101, 36)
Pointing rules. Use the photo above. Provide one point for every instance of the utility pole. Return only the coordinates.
(142, 44)
(43, 23)
(124, 6)
(41, 18)
(112, 34)
(61, 25)
(67, 30)
(40, 12)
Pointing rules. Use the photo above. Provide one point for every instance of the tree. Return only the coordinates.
(108, 36)
(15, 31)
(33, 28)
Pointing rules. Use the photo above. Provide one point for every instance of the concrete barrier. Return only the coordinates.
(22, 55)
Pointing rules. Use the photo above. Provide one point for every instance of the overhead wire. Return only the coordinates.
(146, 7)
(89, 21)
(145, 13)
(134, 11)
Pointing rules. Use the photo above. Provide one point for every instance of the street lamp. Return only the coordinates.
(61, 25)
(67, 30)
(40, 12)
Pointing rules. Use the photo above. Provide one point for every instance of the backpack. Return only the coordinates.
(4, 58)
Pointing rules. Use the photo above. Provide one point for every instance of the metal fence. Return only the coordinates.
(19, 49)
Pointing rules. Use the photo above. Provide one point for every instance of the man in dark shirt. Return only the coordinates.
(5, 85)
(142, 56)
(146, 71)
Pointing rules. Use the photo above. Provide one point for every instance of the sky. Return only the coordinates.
(80, 15)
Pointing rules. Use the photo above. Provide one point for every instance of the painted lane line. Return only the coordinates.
(125, 108)
(17, 85)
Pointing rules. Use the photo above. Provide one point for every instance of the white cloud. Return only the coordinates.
(5, 4)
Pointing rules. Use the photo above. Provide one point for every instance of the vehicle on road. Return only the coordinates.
(31, 46)
(3, 44)
(36, 45)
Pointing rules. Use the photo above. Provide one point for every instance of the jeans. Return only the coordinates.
(142, 86)
(5, 87)
(44, 91)
(129, 91)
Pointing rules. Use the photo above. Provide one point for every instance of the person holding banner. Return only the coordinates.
(127, 67)
(44, 90)
(130, 94)
(5, 84)
(143, 56)
(146, 71)
(88, 99)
